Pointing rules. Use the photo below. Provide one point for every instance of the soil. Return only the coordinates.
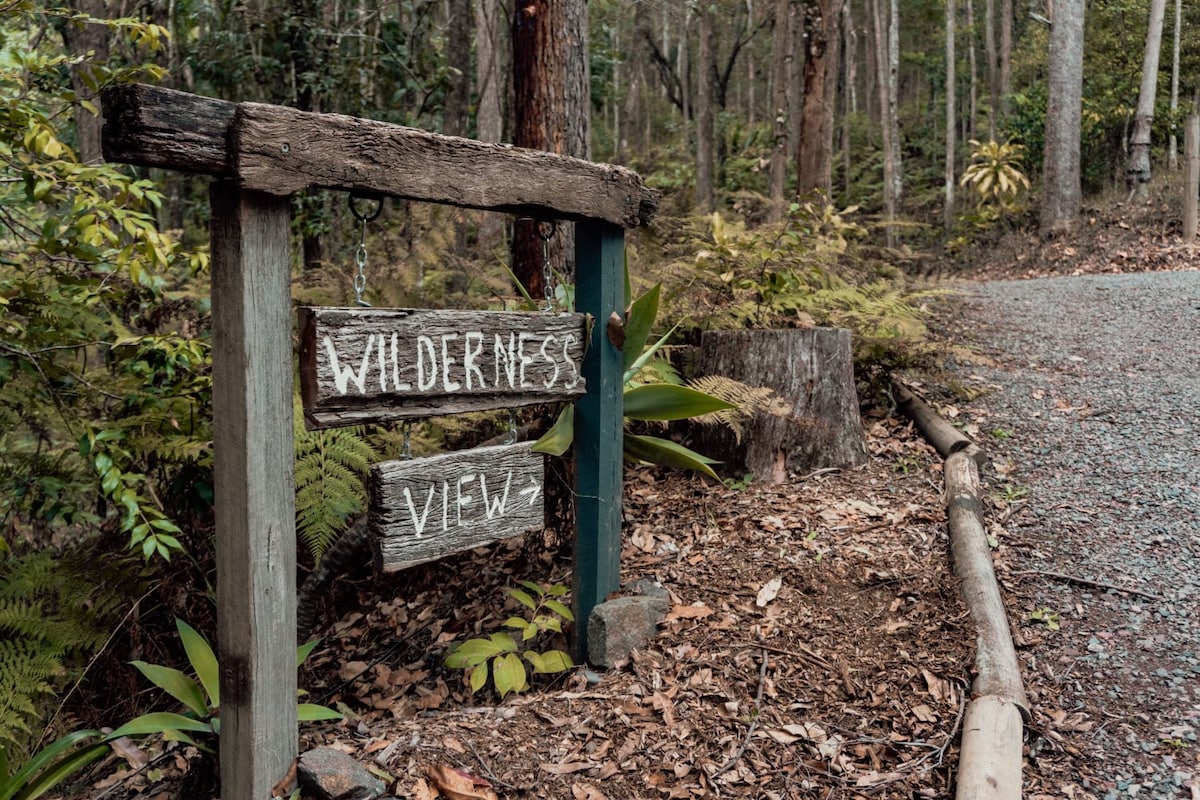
(816, 645)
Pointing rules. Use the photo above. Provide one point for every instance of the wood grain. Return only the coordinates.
(424, 509)
(255, 489)
(362, 365)
(281, 151)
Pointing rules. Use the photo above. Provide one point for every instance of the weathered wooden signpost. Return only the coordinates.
(367, 364)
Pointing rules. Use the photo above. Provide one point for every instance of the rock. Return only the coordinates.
(648, 587)
(328, 774)
(618, 627)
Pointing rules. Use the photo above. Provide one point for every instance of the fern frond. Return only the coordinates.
(748, 401)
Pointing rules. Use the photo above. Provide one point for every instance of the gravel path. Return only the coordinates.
(1092, 422)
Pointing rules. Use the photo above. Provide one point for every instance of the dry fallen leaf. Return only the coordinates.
(583, 791)
(698, 611)
(768, 592)
(133, 755)
(458, 785)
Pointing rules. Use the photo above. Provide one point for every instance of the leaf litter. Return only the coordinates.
(815, 646)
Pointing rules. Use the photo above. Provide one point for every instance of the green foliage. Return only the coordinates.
(199, 696)
(658, 401)
(51, 765)
(499, 655)
(51, 611)
(331, 470)
(807, 271)
(995, 173)
(103, 385)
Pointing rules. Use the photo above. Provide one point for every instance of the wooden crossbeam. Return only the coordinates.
(279, 150)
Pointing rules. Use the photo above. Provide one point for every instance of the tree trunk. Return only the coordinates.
(1006, 23)
(1191, 176)
(814, 158)
(779, 107)
(850, 89)
(550, 86)
(490, 86)
(887, 57)
(1173, 146)
(951, 116)
(81, 39)
(1061, 187)
(972, 67)
(812, 372)
(705, 134)
(1138, 173)
(992, 65)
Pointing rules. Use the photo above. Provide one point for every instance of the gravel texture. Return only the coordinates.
(1090, 413)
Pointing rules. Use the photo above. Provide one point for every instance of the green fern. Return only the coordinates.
(331, 470)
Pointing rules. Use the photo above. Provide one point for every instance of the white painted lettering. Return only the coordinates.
(524, 359)
(419, 522)
(507, 358)
(426, 380)
(343, 375)
(568, 340)
(382, 364)
(445, 506)
(399, 385)
(553, 379)
(463, 500)
(447, 384)
(469, 356)
(494, 506)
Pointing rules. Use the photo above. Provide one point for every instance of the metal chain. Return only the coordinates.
(360, 255)
(406, 448)
(511, 437)
(547, 273)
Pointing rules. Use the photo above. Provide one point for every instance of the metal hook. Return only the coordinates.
(511, 437)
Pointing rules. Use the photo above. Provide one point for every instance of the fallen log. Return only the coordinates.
(944, 437)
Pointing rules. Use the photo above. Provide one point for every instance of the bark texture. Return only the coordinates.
(1138, 173)
(812, 372)
(814, 159)
(1061, 186)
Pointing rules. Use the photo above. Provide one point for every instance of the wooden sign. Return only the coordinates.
(424, 509)
(361, 365)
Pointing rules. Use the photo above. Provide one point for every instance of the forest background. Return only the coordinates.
(811, 156)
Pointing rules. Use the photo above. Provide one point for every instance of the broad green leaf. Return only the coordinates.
(508, 672)
(649, 354)
(176, 684)
(665, 401)
(533, 587)
(159, 722)
(479, 677)
(203, 661)
(311, 712)
(555, 661)
(558, 439)
(523, 598)
(504, 642)
(41, 760)
(472, 652)
(61, 770)
(305, 650)
(640, 319)
(667, 453)
(535, 660)
(560, 609)
(543, 622)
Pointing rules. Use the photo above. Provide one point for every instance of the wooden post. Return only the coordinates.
(255, 492)
(1191, 176)
(599, 291)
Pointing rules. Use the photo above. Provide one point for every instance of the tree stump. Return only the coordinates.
(812, 371)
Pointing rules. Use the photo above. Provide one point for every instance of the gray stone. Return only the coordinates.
(618, 627)
(648, 587)
(328, 774)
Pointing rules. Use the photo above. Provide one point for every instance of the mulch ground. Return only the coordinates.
(816, 646)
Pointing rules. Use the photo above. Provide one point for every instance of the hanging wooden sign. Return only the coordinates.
(361, 365)
(425, 508)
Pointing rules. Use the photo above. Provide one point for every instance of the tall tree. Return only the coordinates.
(1006, 45)
(82, 37)
(814, 157)
(1138, 173)
(456, 111)
(1061, 186)
(951, 115)
(992, 63)
(781, 60)
(887, 65)
(550, 112)
(1173, 149)
(706, 74)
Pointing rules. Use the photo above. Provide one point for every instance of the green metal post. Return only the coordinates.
(599, 291)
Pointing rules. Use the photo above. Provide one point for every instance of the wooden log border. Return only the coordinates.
(360, 365)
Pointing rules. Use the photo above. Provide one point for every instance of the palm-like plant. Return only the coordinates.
(995, 172)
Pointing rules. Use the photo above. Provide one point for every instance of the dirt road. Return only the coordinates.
(1090, 411)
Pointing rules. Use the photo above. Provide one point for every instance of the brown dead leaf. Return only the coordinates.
(924, 713)
(421, 791)
(768, 592)
(352, 669)
(584, 791)
(133, 755)
(567, 767)
(697, 611)
(457, 785)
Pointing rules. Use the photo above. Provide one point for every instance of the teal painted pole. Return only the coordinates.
(599, 291)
